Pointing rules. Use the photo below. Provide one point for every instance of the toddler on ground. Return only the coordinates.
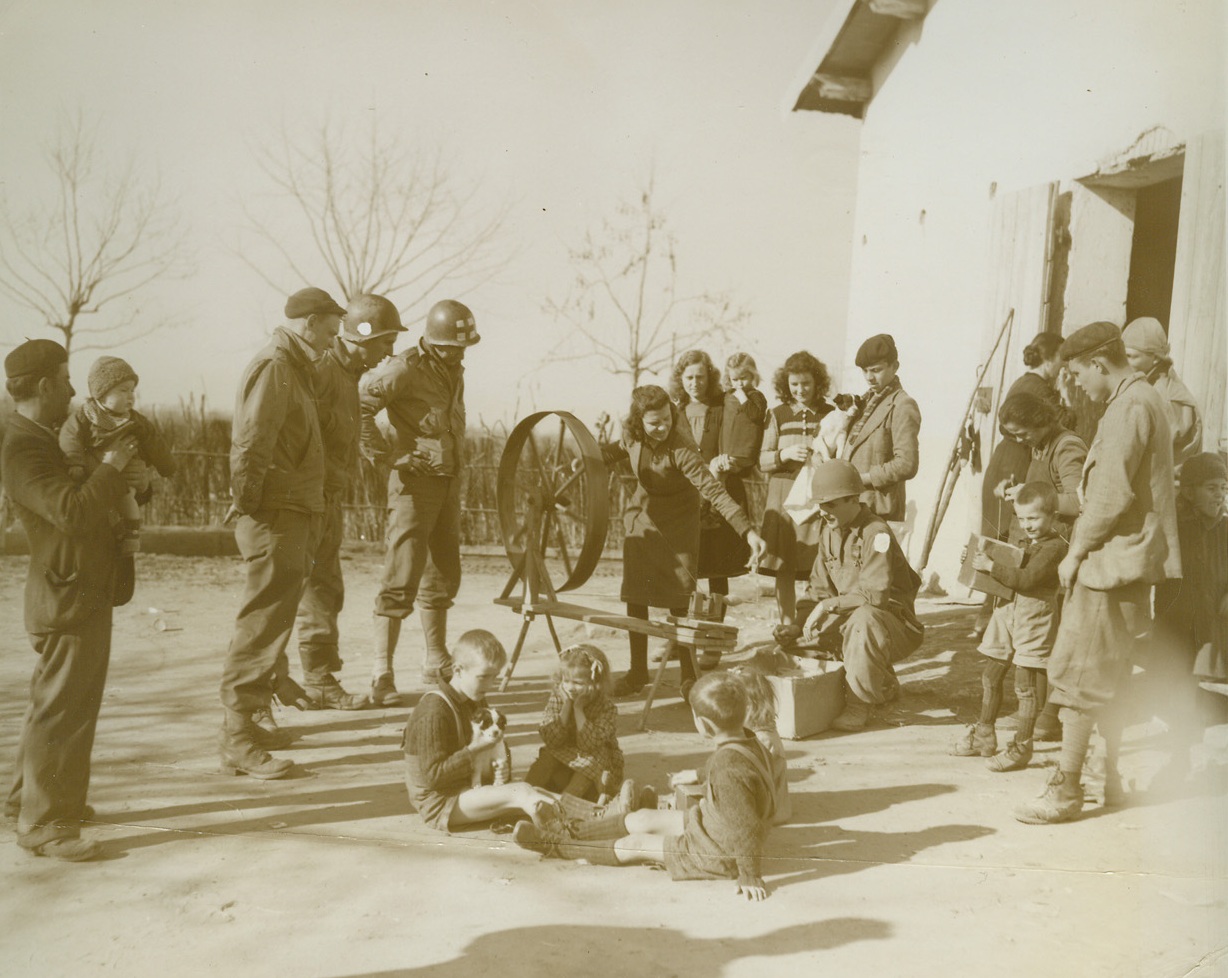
(1022, 629)
(105, 417)
(720, 838)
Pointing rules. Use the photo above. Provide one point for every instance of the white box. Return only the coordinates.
(807, 704)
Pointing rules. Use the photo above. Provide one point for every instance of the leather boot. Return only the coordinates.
(267, 733)
(329, 694)
(436, 663)
(242, 754)
(1062, 801)
(383, 682)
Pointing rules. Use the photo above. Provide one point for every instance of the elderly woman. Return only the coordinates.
(1148, 353)
(661, 520)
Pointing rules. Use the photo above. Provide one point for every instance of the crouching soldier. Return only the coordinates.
(860, 599)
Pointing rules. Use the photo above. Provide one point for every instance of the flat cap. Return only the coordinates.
(370, 316)
(1088, 339)
(34, 358)
(877, 349)
(1203, 468)
(1147, 336)
(312, 302)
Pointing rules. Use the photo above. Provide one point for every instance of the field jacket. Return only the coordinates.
(337, 374)
(276, 452)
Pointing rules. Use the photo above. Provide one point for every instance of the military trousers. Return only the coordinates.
(323, 599)
(422, 560)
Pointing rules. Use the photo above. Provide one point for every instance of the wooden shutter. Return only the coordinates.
(1197, 323)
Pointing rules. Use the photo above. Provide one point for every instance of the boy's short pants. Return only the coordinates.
(694, 856)
(1024, 630)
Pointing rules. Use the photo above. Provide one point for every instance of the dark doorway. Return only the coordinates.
(1153, 253)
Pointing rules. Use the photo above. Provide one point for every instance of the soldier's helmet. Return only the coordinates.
(450, 323)
(835, 480)
(369, 316)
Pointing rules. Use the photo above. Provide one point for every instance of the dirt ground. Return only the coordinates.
(900, 860)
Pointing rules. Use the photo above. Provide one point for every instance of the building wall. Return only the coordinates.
(980, 100)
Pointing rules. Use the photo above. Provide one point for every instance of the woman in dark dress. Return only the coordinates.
(662, 518)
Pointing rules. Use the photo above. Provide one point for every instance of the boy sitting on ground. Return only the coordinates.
(720, 838)
(443, 748)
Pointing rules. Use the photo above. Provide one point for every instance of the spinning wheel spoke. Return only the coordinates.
(547, 484)
(561, 532)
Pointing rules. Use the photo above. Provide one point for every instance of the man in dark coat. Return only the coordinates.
(68, 598)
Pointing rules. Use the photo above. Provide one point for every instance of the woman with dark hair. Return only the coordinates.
(801, 385)
(1008, 465)
(661, 520)
(1056, 455)
(696, 390)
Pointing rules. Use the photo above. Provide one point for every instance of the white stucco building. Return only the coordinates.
(1061, 159)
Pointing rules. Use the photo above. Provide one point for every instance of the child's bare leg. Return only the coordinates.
(653, 821)
(492, 800)
(786, 596)
(633, 849)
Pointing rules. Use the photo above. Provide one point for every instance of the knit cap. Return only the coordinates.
(108, 373)
(1147, 336)
(1202, 469)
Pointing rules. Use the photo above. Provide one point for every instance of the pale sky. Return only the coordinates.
(559, 108)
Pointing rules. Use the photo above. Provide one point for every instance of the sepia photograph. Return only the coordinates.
(713, 489)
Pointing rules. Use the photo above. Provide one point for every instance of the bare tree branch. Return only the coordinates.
(624, 308)
(104, 237)
(377, 217)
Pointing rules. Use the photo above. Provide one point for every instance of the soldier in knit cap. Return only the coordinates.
(277, 483)
(69, 593)
(104, 417)
(1148, 353)
(368, 333)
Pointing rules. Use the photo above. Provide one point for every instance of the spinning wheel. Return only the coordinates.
(553, 500)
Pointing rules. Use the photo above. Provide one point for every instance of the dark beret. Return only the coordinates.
(35, 358)
(877, 349)
(1088, 339)
(1203, 468)
(311, 302)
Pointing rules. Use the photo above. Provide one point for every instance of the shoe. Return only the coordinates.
(786, 636)
(69, 850)
(13, 815)
(328, 694)
(267, 733)
(290, 693)
(891, 688)
(854, 716)
(548, 817)
(384, 691)
(1015, 758)
(709, 660)
(241, 752)
(648, 799)
(629, 684)
(1061, 801)
(979, 740)
(529, 836)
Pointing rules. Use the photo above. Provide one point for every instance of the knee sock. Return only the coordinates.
(1025, 691)
(991, 689)
(577, 808)
(1076, 732)
(598, 829)
(639, 643)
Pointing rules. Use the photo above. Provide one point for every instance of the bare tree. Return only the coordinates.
(381, 218)
(105, 236)
(624, 306)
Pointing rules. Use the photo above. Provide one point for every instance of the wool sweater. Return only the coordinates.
(733, 812)
(434, 746)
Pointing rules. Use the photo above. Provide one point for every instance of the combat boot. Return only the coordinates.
(854, 716)
(436, 662)
(267, 733)
(242, 754)
(328, 694)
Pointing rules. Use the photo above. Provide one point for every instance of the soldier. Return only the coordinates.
(422, 390)
(861, 592)
(369, 331)
(1124, 541)
(70, 590)
(277, 481)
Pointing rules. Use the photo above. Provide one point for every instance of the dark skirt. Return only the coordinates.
(788, 545)
(660, 551)
(723, 551)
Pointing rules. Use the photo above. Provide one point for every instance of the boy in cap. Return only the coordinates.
(882, 440)
(277, 485)
(860, 599)
(1124, 541)
(1148, 353)
(69, 593)
(423, 392)
(105, 416)
(369, 330)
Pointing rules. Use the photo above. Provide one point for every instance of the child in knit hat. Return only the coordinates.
(104, 417)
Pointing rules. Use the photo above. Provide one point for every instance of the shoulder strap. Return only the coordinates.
(757, 762)
(460, 724)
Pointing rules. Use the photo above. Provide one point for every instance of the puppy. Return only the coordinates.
(494, 767)
(834, 428)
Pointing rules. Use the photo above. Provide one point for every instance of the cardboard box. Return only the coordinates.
(686, 795)
(807, 704)
(1002, 553)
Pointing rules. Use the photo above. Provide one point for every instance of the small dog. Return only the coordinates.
(495, 767)
(834, 428)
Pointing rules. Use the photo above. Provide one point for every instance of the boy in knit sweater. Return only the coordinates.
(443, 748)
(720, 838)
